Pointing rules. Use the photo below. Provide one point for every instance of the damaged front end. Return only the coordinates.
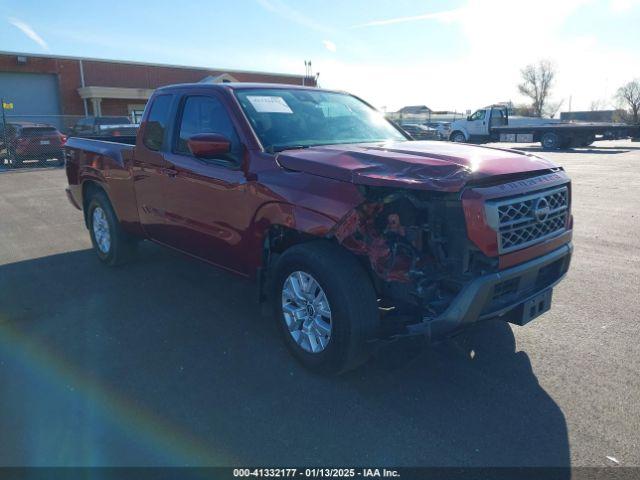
(416, 247)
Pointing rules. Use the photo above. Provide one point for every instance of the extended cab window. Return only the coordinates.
(157, 122)
(204, 115)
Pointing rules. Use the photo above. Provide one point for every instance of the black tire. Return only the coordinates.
(16, 161)
(550, 141)
(586, 140)
(567, 143)
(60, 159)
(458, 137)
(122, 247)
(352, 300)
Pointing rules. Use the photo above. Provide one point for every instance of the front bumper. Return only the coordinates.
(498, 295)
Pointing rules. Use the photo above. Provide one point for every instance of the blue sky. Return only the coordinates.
(457, 54)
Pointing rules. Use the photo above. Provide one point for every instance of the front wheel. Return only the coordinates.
(458, 137)
(326, 306)
(111, 244)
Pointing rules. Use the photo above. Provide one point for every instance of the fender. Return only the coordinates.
(293, 217)
(119, 190)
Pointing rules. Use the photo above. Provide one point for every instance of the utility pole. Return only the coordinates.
(305, 73)
(4, 132)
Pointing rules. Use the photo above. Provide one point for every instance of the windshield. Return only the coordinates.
(38, 131)
(113, 121)
(294, 118)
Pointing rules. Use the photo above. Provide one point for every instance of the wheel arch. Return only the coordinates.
(459, 130)
(280, 226)
(89, 187)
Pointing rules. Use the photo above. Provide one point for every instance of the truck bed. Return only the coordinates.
(594, 128)
(114, 148)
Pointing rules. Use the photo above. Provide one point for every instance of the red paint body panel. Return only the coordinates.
(222, 215)
(521, 256)
(422, 165)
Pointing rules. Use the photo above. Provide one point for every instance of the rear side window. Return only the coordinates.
(157, 122)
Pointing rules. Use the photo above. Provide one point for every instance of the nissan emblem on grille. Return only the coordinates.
(541, 209)
(526, 220)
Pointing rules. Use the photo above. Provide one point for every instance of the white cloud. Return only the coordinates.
(28, 31)
(283, 10)
(329, 45)
(445, 16)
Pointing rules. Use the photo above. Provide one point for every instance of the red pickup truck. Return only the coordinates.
(355, 234)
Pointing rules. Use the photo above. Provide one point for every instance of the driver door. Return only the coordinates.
(477, 124)
(206, 209)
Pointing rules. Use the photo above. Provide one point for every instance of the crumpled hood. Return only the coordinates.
(422, 165)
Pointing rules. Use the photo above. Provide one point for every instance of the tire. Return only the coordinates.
(586, 140)
(16, 161)
(349, 298)
(458, 137)
(111, 244)
(60, 159)
(567, 143)
(550, 141)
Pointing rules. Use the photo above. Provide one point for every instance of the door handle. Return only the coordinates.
(170, 172)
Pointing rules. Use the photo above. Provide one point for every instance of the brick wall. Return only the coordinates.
(113, 74)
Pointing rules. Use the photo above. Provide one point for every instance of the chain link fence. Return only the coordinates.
(29, 141)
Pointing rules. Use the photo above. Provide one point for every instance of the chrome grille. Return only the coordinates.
(526, 220)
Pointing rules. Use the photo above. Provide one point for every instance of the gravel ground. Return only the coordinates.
(169, 361)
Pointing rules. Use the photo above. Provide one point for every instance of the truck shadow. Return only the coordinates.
(169, 361)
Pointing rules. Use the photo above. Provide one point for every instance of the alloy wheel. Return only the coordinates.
(306, 312)
(101, 230)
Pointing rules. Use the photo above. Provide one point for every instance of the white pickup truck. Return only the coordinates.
(491, 124)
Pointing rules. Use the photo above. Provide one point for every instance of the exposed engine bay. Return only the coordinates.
(417, 248)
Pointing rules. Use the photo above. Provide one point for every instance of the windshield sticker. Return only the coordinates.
(269, 104)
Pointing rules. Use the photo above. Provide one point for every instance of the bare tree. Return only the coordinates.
(523, 110)
(537, 80)
(598, 105)
(628, 96)
(551, 108)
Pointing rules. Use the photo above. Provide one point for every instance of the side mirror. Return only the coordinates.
(209, 145)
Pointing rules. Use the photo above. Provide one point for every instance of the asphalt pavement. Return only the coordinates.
(168, 361)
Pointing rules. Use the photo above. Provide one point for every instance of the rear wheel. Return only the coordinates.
(111, 244)
(16, 161)
(60, 159)
(550, 141)
(458, 137)
(326, 306)
(586, 140)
